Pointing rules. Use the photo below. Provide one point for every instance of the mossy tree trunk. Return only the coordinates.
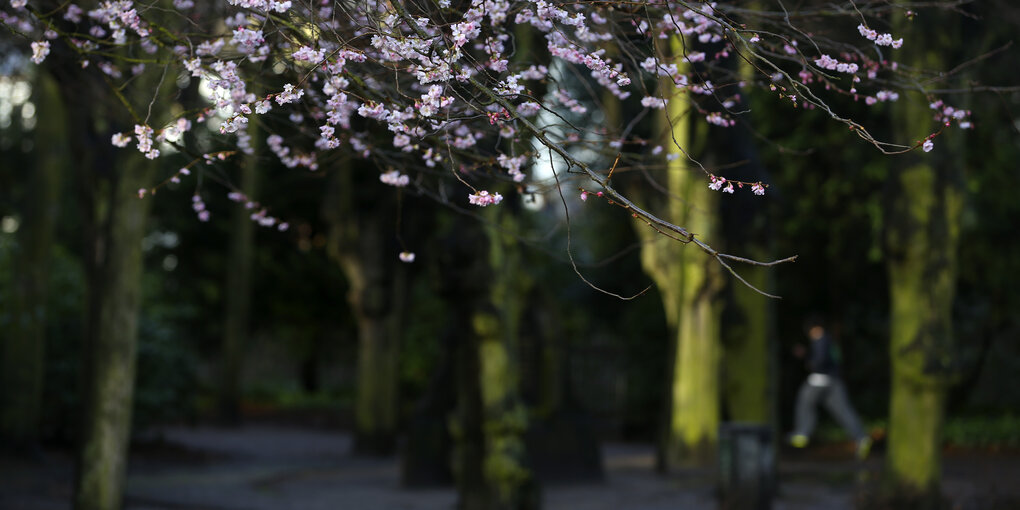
(238, 292)
(359, 242)
(689, 282)
(922, 235)
(694, 417)
(111, 349)
(498, 328)
(464, 273)
(23, 349)
(748, 386)
(113, 218)
(922, 240)
(490, 422)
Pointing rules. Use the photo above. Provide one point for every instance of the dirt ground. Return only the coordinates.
(280, 468)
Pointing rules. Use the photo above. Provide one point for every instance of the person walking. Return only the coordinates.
(824, 385)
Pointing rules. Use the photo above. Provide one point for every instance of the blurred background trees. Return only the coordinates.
(488, 350)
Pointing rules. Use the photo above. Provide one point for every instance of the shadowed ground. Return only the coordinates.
(276, 468)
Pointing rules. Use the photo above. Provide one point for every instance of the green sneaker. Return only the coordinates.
(798, 440)
(863, 447)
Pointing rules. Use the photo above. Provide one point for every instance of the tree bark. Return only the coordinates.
(922, 241)
(689, 282)
(23, 355)
(463, 272)
(359, 244)
(751, 356)
(113, 226)
(748, 384)
(507, 469)
(110, 364)
(238, 293)
(489, 425)
(922, 236)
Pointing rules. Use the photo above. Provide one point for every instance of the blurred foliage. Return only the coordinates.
(983, 431)
(421, 347)
(64, 327)
(967, 431)
(166, 373)
(291, 397)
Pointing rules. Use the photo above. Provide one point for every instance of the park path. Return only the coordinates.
(274, 468)
(261, 467)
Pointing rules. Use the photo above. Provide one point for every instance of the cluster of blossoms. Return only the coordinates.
(718, 119)
(720, 183)
(653, 102)
(422, 86)
(176, 178)
(262, 5)
(275, 143)
(827, 62)
(395, 178)
(880, 39)
(144, 136)
(513, 166)
(199, 206)
(947, 114)
(484, 198)
(881, 96)
(717, 183)
(259, 213)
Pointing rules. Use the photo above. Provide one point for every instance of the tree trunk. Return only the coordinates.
(748, 386)
(463, 273)
(751, 356)
(378, 359)
(21, 375)
(113, 226)
(110, 363)
(507, 470)
(922, 239)
(238, 293)
(694, 423)
(489, 425)
(505, 418)
(359, 227)
(689, 282)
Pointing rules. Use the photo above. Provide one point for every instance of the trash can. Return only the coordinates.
(746, 467)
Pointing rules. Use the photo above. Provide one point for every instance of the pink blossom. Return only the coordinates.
(652, 102)
(483, 198)
(120, 139)
(717, 182)
(395, 178)
(39, 51)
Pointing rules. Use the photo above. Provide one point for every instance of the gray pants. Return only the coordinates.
(832, 392)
